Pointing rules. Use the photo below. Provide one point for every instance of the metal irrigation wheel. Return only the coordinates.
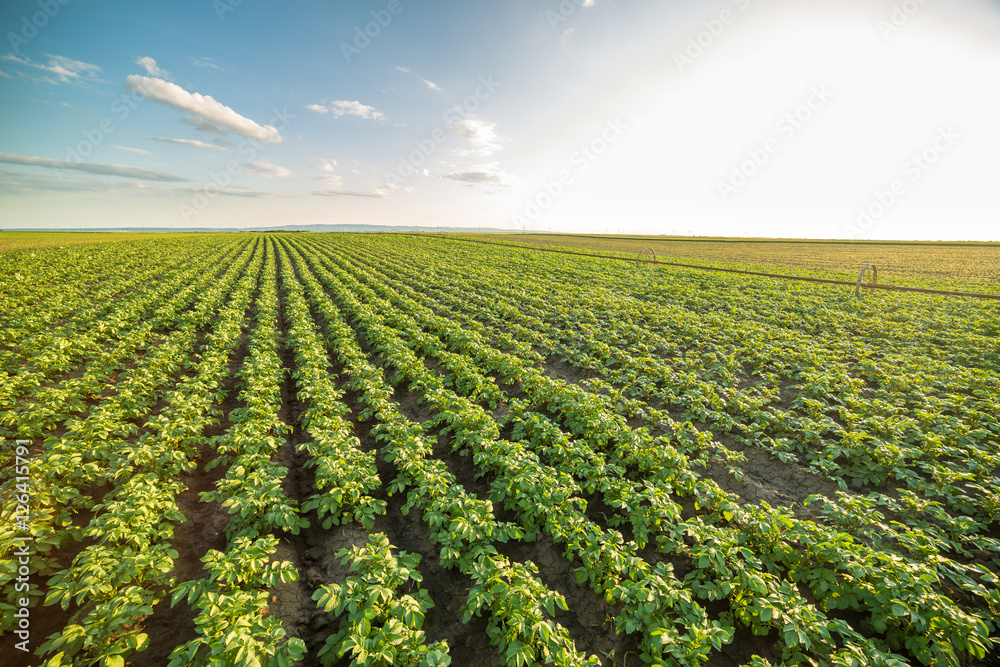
(532, 247)
(861, 276)
(645, 256)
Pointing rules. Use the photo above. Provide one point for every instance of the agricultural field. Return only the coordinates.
(348, 449)
(11, 240)
(900, 262)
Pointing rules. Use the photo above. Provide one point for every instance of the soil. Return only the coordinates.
(765, 478)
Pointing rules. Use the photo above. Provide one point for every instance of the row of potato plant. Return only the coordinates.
(380, 626)
(929, 523)
(45, 290)
(942, 456)
(519, 606)
(59, 348)
(941, 531)
(70, 464)
(48, 405)
(232, 600)
(345, 475)
(802, 628)
(966, 632)
(119, 577)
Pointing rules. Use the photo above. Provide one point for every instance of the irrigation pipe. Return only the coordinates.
(829, 281)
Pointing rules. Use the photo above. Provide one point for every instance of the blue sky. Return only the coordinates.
(822, 119)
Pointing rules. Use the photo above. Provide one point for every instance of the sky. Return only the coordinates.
(852, 119)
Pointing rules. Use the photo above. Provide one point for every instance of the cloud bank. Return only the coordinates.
(92, 168)
(348, 108)
(203, 106)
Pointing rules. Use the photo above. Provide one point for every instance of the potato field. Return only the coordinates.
(381, 449)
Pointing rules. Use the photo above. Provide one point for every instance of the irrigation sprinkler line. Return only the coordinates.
(829, 281)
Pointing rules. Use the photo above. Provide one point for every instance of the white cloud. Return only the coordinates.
(236, 192)
(332, 181)
(481, 133)
(348, 108)
(4, 74)
(483, 174)
(199, 123)
(386, 189)
(23, 182)
(92, 168)
(346, 193)
(427, 82)
(69, 68)
(473, 177)
(132, 150)
(151, 67)
(58, 104)
(204, 106)
(189, 142)
(66, 70)
(205, 63)
(265, 168)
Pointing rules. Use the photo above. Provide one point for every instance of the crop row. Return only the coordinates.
(918, 606)
(675, 381)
